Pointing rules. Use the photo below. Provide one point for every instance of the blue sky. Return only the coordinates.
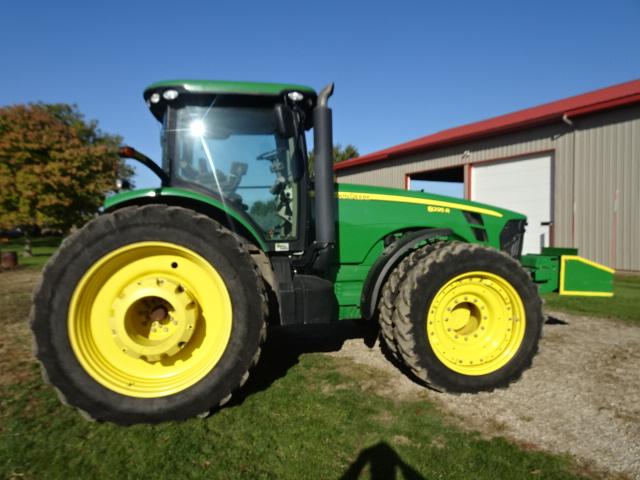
(402, 69)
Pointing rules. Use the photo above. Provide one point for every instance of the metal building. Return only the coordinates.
(573, 166)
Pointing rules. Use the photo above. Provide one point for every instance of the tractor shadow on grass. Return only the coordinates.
(284, 345)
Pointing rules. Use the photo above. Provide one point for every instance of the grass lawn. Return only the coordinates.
(624, 305)
(42, 247)
(303, 415)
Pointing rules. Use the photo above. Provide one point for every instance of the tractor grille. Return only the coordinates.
(511, 237)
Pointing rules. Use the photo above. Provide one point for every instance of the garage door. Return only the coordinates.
(523, 186)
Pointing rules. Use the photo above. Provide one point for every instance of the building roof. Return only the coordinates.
(595, 101)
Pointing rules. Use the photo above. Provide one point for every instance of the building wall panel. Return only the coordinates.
(607, 187)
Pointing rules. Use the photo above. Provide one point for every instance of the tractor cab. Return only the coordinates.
(242, 144)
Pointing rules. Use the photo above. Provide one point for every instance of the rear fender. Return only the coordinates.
(206, 205)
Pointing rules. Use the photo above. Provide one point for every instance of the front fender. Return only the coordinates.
(387, 261)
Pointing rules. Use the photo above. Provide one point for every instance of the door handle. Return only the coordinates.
(546, 224)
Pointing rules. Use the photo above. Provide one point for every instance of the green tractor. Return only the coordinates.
(157, 309)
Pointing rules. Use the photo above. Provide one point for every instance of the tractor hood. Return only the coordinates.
(366, 215)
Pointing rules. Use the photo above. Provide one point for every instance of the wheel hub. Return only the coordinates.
(465, 315)
(474, 323)
(153, 318)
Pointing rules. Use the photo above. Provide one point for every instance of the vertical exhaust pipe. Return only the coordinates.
(324, 187)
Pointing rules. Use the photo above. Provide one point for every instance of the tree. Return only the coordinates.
(55, 167)
(339, 155)
(264, 209)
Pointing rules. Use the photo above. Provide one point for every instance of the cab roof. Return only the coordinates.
(215, 87)
(237, 88)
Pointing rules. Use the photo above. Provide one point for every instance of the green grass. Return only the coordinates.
(42, 248)
(624, 305)
(315, 422)
(301, 416)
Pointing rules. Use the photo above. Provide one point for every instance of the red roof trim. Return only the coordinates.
(595, 101)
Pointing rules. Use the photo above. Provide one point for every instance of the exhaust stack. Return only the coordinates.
(324, 187)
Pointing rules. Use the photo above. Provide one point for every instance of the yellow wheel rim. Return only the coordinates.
(150, 319)
(476, 323)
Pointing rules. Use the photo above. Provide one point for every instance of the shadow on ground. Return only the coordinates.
(284, 346)
(551, 320)
(383, 463)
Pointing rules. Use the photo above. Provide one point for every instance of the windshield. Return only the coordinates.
(237, 154)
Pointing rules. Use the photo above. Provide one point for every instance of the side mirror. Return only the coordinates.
(284, 120)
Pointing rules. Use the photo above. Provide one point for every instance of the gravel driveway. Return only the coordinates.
(582, 395)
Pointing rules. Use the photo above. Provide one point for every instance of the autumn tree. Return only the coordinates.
(55, 166)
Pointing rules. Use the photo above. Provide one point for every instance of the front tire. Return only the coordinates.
(467, 318)
(388, 296)
(149, 314)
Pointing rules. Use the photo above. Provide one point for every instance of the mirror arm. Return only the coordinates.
(133, 154)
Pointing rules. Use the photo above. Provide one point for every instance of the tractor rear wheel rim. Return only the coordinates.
(150, 319)
(476, 323)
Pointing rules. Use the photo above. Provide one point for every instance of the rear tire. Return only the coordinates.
(149, 314)
(467, 318)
